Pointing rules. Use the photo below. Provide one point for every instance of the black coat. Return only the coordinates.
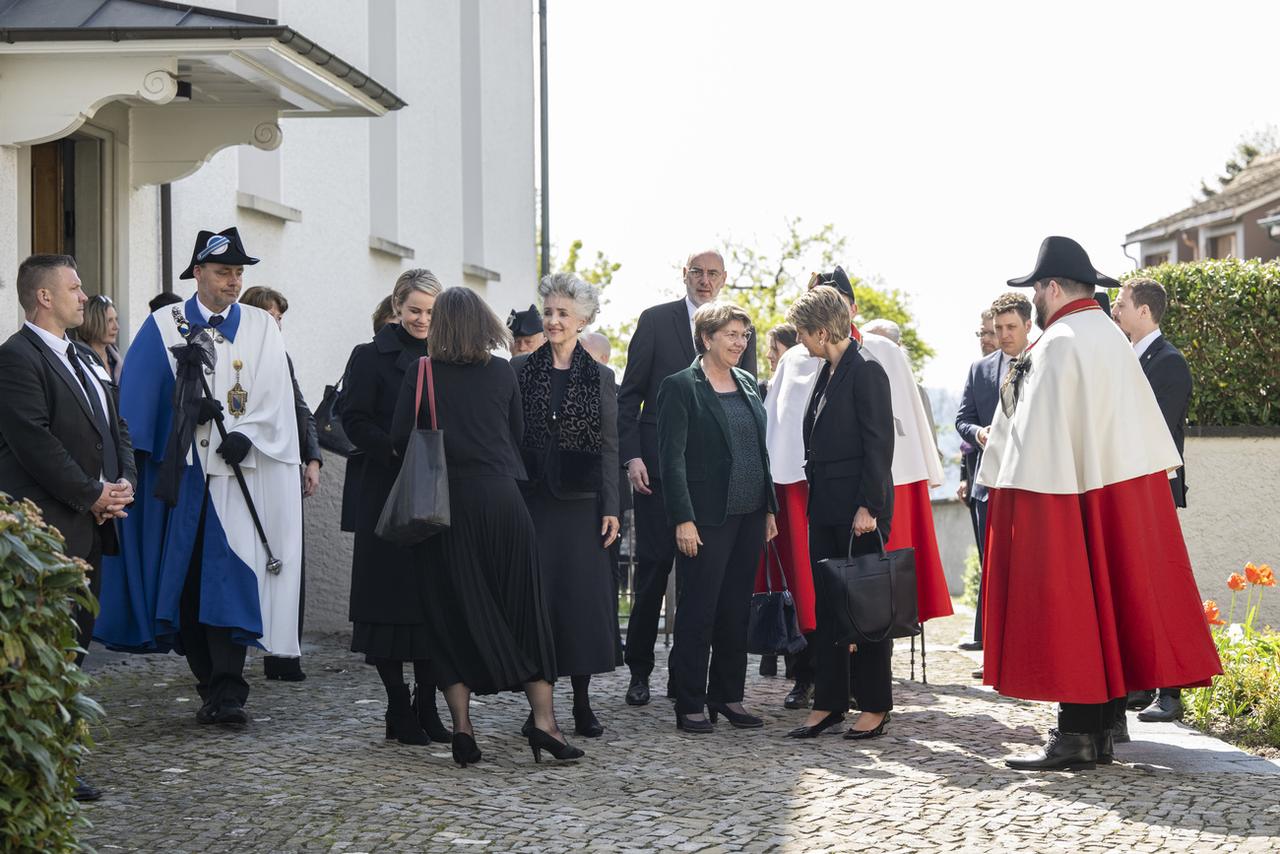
(848, 446)
(308, 437)
(696, 451)
(51, 450)
(662, 345)
(385, 578)
(1170, 379)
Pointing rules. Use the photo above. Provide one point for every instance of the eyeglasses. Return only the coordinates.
(736, 337)
(710, 275)
(983, 333)
(102, 298)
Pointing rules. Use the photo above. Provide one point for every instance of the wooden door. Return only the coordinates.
(48, 229)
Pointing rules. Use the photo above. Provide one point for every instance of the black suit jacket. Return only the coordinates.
(697, 452)
(848, 446)
(662, 345)
(51, 447)
(1170, 379)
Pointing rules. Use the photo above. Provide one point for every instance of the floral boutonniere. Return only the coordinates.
(1018, 370)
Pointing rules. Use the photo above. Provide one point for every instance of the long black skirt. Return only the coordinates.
(577, 582)
(490, 629)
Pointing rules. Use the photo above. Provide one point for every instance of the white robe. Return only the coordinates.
(915, 450)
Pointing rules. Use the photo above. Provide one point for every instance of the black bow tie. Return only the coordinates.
(216, 320)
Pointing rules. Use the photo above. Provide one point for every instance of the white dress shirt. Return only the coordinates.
(688, 303)
(208, 312)
(1140, 346)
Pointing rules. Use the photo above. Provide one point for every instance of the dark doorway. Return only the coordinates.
(66, 204)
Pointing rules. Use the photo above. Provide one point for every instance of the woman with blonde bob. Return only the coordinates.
(719, 497)
(848, 441)
(100, 332)
(489, 626)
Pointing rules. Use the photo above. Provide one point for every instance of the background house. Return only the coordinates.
(347, 140)
(1240, 221)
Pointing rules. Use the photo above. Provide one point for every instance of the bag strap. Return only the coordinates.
(893, 600)
(424, 369)
(771, 548)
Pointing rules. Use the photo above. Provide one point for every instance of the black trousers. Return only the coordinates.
(978, 510)
(714, 605)
(85, 617)
(655, 553)
(1091, 718)
(869, 671)
(214, 658)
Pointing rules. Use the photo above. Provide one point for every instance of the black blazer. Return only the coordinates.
(662, 345)
(848, 444)
(555, 479)
(1170, 379)
(50, 445)
(695, 449)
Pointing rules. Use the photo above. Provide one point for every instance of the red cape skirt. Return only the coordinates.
(1091, 596)
(913, 528)
(793, 551)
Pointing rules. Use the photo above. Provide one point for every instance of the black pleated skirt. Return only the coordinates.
(489, 627)
(577, 582)
(391, 641)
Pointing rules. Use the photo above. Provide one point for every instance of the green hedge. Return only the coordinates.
(44, 715)
(1225, 317)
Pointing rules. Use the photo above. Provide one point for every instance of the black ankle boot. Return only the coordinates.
(768, 665)
(1065, 751)
(585, 722)
(801, 696)
(424, 706)
(402, 723)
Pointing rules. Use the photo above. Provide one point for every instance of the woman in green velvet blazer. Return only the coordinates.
(719, 496)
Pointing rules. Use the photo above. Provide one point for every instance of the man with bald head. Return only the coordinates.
(661, 346)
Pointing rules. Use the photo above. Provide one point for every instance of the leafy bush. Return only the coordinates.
(1243, 702)
(44, 716)
(972, 578)
(1225, 317)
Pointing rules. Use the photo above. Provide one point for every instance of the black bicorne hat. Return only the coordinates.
(525, 323)
(224, 247)
(839, 280)
(1063, 257)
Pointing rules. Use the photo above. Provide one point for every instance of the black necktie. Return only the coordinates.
(110, 459)
(216, 320)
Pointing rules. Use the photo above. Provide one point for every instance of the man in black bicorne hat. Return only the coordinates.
(526, 330)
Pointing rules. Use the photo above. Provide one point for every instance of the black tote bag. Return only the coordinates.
(328, 417)
(774, 628)
(418, 505)
(869, 598)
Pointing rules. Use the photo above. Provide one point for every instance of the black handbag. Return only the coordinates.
(328, 417)
(869, 598)
(774, 628)
(418, 505)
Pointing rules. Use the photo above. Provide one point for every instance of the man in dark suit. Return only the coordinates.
(1138, 310)
(62, 441)
(1011, 321)
(662, 345)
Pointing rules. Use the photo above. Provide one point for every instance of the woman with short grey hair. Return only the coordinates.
(570, 451)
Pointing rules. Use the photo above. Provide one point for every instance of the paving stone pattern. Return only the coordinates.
(313, 773)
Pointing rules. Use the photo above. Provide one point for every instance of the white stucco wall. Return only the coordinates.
(10, 314)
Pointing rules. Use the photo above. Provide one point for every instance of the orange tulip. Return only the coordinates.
(1266, 578)
(1212, 614)
(1251, 573)
(1236, 581)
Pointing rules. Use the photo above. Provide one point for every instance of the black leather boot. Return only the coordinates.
(1065, 751)
(1120, 730)
(402, 722)
(1139, 700)
(1104, 746)
(801, 696)
(768, 665)
(424, 706)
(1163, 709)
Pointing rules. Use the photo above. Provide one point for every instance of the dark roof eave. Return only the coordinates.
(288, 37)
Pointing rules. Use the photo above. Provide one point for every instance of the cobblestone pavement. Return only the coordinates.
(313, 773)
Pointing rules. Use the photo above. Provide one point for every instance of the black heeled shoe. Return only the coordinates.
(464, 749)
(528, 726)
(562, 750)
(817, 729)
(739, 720)
(687, 724)
(863, 735)
(585, 722)
(424, 706)
(402, 722)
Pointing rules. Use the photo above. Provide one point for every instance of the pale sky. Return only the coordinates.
(945, 140)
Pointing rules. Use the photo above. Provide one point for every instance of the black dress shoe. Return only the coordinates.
(817, 729)
(1104, 746)
(768, 665)
(423, 703)
(800, 697)
(207, 714)
(1139, 700)
(464, 749)
(231, 713)
(585, 723)
(283, 669)
(1120, 730)
(864, 734)
(1065, 751)
(86, 791)
(638, 693)
(978, 674)
(740, 720)
(1165, 708)
(687, 724)
(971, 646)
